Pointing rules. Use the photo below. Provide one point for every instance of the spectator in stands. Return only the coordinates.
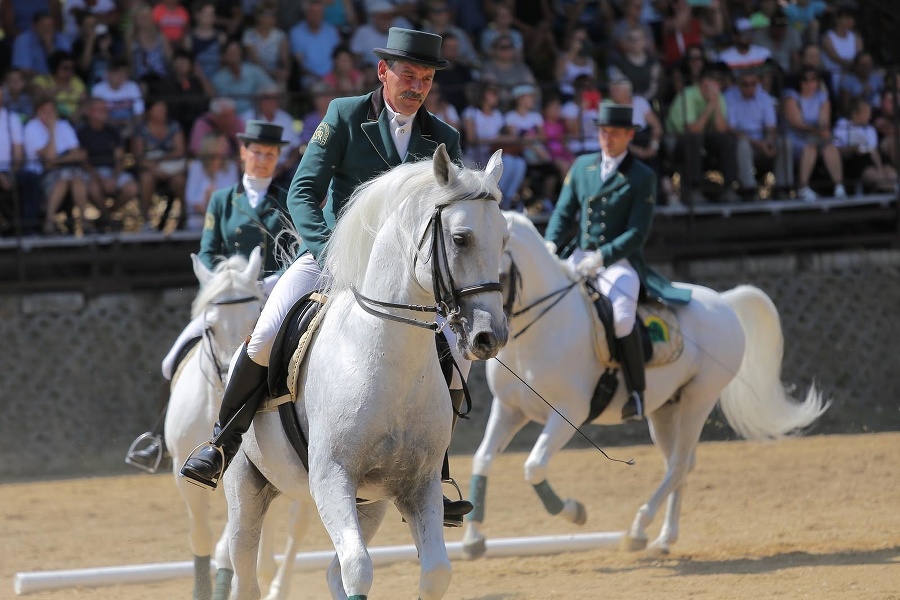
(863, 81)
(123, 97)
(187, 91)
(322, 93)
(457, 78)
(374, 34)
(105, 166)
(94, 50)
(505, 68)
(840, 45)
(17, 16)
(761, 18)
(648, 129)
(238, 78)
(807, 112)
(687, 71)
(63, 85)
(223, 118)
(485, 132)
(32, 48)
(205, 42)
(555, 136)
(884, 125)
(636, 65)
(471, 15)
(342, 15)
(752, 118)
(16, 97)
(699, 117)
(527, 124)
(501, 25)
(267, 45)
(268, 111)
(803, 16)
(744, 54)
(811, 57)
(436, 104)
(783, 42)
(595, 15)
(11, 155)
(685, 26)
(212, 170)
(580, 114)
(437, 20)
(344, 77)
(173, 20)
(542, 52)
(577, 60)
(857, 141)
(158, 145)
(53, 152)
(314, 45)
(148, 50)
(97, 12)
(631, 19)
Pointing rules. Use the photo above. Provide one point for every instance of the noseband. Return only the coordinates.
(447, 297)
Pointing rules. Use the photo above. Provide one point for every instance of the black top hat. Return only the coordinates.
(415, 47)
(615, 115)
(262, 132)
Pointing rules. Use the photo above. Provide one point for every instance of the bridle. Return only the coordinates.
(208, 335)
(515, 283)
(447, 297)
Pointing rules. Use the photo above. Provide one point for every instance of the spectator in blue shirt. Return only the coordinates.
(803, 15)
(752, 119)
(862, 82)
(32, 48)
(239, 79)
(313, 41)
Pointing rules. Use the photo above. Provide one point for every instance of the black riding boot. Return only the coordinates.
(454, 510)
(632, 358)
(245, 391)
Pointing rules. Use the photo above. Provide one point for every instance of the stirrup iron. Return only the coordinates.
(143, 441)
(215, 479)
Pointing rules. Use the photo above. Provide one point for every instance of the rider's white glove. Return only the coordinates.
(589, 265)
(551, 247)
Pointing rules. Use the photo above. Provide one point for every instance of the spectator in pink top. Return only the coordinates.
(221, 118)
(172, 19)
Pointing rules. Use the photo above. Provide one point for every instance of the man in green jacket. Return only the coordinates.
(608, 197)
(359, 138)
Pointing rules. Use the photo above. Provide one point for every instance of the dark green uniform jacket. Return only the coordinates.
(615, 218)
(233, 227)
(352, 145)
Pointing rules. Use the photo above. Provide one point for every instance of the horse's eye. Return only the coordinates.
(460, 239)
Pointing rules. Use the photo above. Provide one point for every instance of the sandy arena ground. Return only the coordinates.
(815, 517)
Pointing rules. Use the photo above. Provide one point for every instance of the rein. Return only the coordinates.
(447, 297)
(208, 338)
(513, 280)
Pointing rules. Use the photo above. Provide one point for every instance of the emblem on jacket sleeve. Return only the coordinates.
(321, 134)
(209, 222)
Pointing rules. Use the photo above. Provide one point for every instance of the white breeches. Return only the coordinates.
(621, 284)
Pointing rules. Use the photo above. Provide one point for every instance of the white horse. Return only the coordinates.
(732, 353)
(230, 300)
(373, 402)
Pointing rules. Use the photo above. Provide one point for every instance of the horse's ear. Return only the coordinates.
(254, 263)
(495, 165)
(444, 171)
(203, 274)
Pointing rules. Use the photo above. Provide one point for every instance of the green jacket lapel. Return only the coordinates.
(377, 129)
(420, 145)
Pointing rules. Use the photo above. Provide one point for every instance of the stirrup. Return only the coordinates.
(215, 480)
(147, 437)
(452, 482)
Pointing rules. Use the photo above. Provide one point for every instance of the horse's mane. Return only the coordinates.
(520, 222)
(228, 276)
(408, 192)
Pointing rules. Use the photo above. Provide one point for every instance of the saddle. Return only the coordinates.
(660, 336)
(187, 350)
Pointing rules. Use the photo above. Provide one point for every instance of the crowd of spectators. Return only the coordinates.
(110, 103)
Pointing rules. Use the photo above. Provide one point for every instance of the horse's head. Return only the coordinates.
(467, 239)
(230, 296)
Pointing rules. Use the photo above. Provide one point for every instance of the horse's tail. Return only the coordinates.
(756, 403)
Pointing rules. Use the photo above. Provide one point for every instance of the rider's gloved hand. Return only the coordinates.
(590, 264)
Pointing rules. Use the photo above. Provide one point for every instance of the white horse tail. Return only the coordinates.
(756, 403)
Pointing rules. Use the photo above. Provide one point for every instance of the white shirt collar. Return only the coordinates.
(609, 164)
(395, 117)
(255, 188)
(401, 130)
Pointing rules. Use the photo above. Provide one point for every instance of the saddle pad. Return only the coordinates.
(305, 340)
(184, 360)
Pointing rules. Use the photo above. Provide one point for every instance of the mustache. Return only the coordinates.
(412, 96)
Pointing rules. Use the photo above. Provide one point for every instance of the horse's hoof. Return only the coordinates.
(657, 549)
(574, 512)
(632, 544)
(474, 545)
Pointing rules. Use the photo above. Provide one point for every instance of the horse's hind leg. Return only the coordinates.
(299, 522)
(371, 515)
(504, 422)
(249, 495)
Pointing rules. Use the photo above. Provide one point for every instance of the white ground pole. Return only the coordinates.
(39, 581)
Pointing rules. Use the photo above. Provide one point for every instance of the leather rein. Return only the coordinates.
(447, 296)
(514, 281)
(208, 336)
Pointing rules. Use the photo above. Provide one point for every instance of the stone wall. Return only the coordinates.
(81, 375)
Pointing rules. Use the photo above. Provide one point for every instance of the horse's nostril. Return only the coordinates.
(485, 340)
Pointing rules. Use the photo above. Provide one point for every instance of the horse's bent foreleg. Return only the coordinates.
(556, 433)
(249, 495)
(504, 422)
(299, 522)
(422, 510)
